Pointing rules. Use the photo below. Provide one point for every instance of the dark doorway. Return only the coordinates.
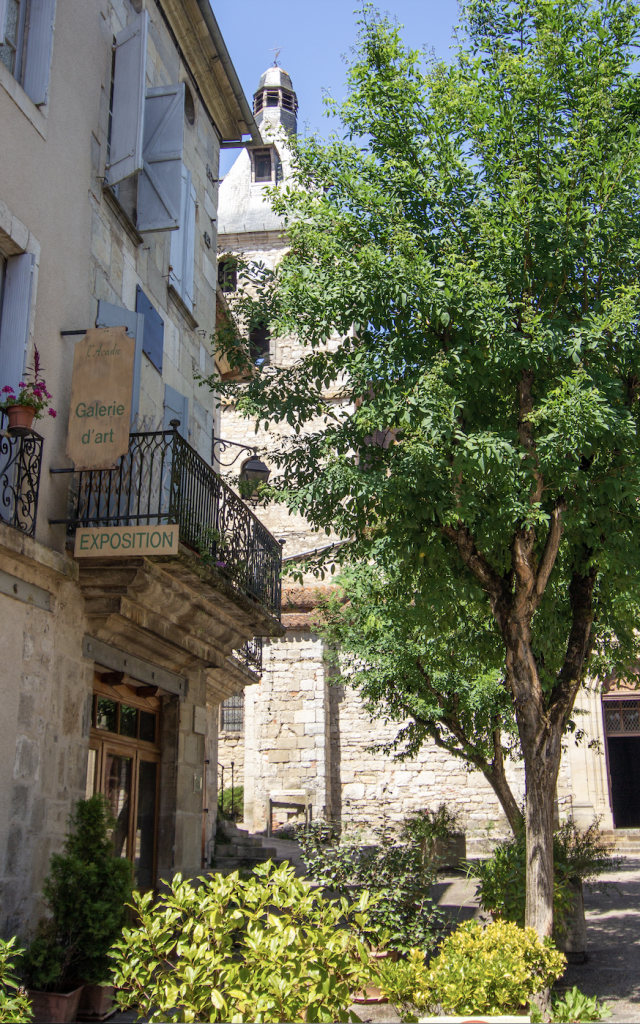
(624, 770)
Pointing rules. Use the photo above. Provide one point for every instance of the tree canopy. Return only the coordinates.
(463, 271)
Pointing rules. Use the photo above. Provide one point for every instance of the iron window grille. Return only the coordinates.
(162, 480)
(232, 714)
(622, 717)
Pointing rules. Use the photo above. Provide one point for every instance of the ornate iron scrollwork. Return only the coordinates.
(162, 479)
(20, 464)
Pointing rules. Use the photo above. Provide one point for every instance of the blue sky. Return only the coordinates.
(314, 35)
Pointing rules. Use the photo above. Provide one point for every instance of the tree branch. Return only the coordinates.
(550, 553)
(489, 579)
(578, 646)
(493, 770)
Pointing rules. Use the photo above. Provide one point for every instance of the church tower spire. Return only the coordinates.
(274, 101)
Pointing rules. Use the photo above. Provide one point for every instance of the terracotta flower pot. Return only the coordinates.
(21, 417)
(372, 993)
(96, 1002)
(54, 1007)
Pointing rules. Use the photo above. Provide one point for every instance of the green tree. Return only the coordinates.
(471, 246)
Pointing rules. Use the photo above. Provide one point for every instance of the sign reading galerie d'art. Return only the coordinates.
(98, 435)
(100, 410)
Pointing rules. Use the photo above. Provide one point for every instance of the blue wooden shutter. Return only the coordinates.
(188, 252)
(14, 325)
(153, 346)
(3, 18)
(160, 184)
(176, 252)
(176, 407)
(110, 315)
(37, 69)
(127, 117)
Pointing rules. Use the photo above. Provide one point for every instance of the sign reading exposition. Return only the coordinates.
(122, 541)
(100, 410)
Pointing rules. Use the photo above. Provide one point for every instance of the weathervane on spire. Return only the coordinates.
(277, 50)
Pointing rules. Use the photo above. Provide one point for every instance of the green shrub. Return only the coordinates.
(392, 869)
(229, 798)
(425, 828)
(575, 1006)
(87, 890)
(493, 970)
(578, 856)
(267, 948)
(14, 1005)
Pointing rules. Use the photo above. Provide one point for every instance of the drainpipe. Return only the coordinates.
(234, 81)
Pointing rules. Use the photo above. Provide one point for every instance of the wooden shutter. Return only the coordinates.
(176, 407)
(188, 252)
(14, 325)
(160, 184)
(37, 69)
(176, 252)
(153, 346)
(110, 315)
(127, 115)
(3, 18)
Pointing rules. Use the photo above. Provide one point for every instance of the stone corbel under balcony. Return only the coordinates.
(176, 612)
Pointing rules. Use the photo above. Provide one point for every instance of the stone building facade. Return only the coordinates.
(306, 729)
(112, 117)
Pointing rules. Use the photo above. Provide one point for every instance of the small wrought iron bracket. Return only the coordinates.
(230, 444)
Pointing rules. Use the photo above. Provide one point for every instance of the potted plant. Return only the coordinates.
(67, 968)
(30, 402)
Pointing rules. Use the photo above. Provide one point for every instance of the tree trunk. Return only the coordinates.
(540, 796)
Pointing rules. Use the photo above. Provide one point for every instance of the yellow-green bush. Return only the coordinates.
(492, 970)
(269, 948)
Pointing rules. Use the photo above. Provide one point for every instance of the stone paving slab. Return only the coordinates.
(612, 972)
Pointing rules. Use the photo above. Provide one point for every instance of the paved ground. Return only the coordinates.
(612, 971)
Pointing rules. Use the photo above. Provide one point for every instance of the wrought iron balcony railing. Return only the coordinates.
(20, 463)
(250, 654)
(163, 480)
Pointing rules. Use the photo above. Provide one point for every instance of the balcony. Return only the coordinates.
(162, 480)
(20, 463)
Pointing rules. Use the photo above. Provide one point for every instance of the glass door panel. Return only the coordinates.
(92, 774)
(118, 792)
(145, 824)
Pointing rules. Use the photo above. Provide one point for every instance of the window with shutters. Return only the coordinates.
(146, 136)
(26, 41)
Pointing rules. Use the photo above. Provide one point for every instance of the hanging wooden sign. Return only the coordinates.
(100, 410)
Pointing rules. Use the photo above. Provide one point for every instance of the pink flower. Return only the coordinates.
(52, 412)
(7, 389)
(22, 384)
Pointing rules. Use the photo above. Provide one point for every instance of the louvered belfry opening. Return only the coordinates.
(621, 715)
